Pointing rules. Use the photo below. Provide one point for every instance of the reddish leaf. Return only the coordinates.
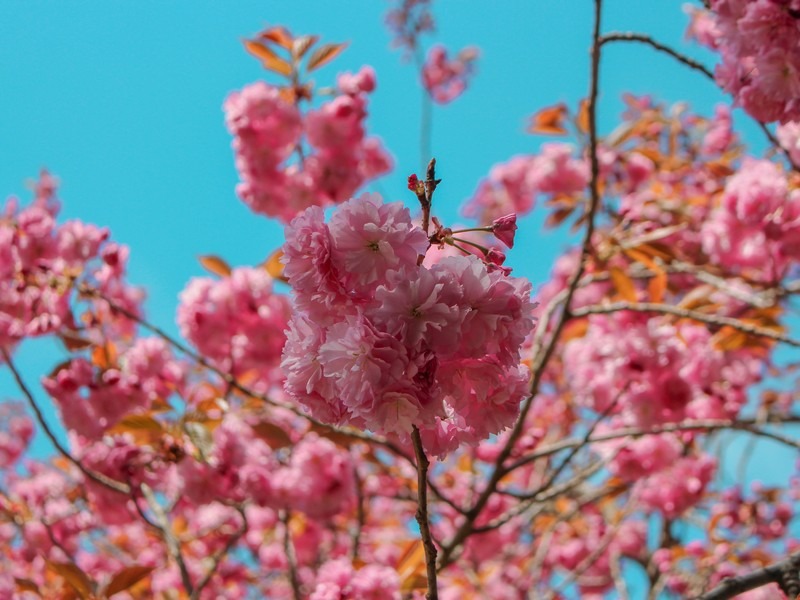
(323, 55)
(279, 36)
(272, 435)
(127, 578)
(26, 585)
(555, 218)
(73, 341)
(269, 59)
(549, 121)
(72, 574)
(215, 265)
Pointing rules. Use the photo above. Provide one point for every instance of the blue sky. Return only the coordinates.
(122, 102)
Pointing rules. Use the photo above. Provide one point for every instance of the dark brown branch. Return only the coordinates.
(104, 480)
(782, 573)
(618, 36)
(542, 358)
(422, 515)
(291, 558)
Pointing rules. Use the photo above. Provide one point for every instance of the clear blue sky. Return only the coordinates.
(122, 102)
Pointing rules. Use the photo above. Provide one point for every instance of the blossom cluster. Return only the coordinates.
(445, 78)
(512, 187)
(237, 321)
(759, 44)
(40, 262)
(384, 343)
(269, 129)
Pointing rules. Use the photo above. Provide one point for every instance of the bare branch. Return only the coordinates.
(618, 36)
(685, 313)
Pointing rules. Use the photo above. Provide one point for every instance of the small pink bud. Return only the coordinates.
(495, 256)
(504, 229)
(413, 181)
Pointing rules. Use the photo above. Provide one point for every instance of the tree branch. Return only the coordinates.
(422, 515)
(618, 36)
(104, 480)
(784, 573)
(542, 358)
(684, 313)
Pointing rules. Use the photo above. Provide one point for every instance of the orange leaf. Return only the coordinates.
(274, 266)
(582, 120)
(323, 55)
(729, 338)
(410, 567)
(549, 121)
(279, 36)
(72, 574)
(623, 283)
(555, 218)
(127, 578)
(269, 59)
(301, 45)
(657, 286)
(26, 585)
(105, 356)
(215, 265)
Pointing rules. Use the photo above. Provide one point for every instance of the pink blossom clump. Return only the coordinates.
(658, 372)
(756, 226)
(444, 78)
(759, 44)
(380, 341)
(788, 136)
(16, 431)
(512, 187)
(337, 579)
(269, 130)
(42, 263)
(318, 479)
(237, 321)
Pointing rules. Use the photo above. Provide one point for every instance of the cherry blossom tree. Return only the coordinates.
(383, 409)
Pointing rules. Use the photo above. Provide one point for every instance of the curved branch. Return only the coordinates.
(104, 480)
(687, 314)
(778, 573)
(618, 36)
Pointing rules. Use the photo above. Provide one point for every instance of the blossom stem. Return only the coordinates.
(422, 514)
(483, 249)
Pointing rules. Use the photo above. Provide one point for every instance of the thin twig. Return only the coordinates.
(291, 558)
(685, 313)
(221, 554)
(635, 432)
(422, 515)
(775, 573)
(104, 480)
(173, 546)
(619, 36)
